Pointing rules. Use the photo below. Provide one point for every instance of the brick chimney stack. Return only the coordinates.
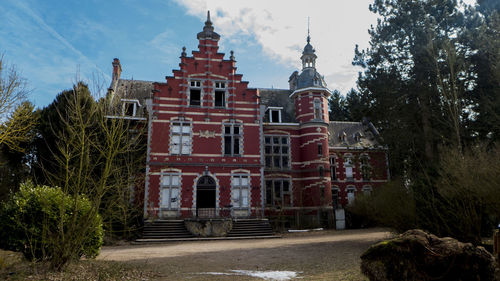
(117, 69)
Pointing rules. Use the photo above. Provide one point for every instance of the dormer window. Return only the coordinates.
(220, 94)
(195, 93)
(274, 114)
(130, 107)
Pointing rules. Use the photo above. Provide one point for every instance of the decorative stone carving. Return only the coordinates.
(207, 134)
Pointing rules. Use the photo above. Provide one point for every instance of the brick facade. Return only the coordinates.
(217, 148)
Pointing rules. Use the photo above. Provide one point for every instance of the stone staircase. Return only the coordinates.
(165, 229)
(250, 228)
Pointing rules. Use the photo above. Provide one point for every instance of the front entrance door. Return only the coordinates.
(206, 197)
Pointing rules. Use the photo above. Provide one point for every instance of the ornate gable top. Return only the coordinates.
(208, 30)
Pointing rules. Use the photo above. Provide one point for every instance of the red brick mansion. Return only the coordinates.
(217, 148)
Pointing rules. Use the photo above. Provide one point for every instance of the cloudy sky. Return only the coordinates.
(51, 41)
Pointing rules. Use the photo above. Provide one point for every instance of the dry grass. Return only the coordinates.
(14, 267)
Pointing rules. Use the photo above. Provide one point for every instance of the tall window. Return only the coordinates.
(348, 168)
(365, 168)
(195, 93)
(240, 185)
(277, 152)
(333, 169)
(335, 197)
(220, 94)
(320, 149)
(180, 141)
(169, 188)
(351, 191)
(278, 193)
(317, 109)
(367, 190)
(232, 138)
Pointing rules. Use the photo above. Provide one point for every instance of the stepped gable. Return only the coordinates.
(279, 98)
(353, 134)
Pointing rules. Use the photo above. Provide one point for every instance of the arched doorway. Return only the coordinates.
(206, 197)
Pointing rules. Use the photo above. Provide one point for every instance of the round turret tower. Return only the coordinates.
(310, 96)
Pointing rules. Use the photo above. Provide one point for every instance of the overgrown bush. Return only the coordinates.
(461, 200)
(37, 221)
(391, 205)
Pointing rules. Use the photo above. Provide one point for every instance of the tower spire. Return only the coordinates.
(208, 17)
(308, 36)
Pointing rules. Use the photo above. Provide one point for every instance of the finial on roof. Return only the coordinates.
(232, 55)
(183, 54)
(208, 30)
(308, 36)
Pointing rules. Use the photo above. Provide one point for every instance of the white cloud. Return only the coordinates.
(280, 27)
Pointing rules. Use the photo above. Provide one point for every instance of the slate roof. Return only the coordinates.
(310, 78)
(133, 89)
(353, 134)
(279, 98)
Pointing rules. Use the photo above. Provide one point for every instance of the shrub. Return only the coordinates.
(391, 205)
(44, 223)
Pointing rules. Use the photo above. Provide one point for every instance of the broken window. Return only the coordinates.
(195, 93)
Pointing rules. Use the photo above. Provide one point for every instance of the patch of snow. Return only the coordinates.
(269, 275)
(305, 230)
(266, 275)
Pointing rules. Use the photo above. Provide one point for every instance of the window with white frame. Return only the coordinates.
(170, 188)
(333, 169)
(220, 94)
(195, 93)
(240, 187)
(274, 114)
(277, 152)
(351, 193)
(348, 168)
(180, 139)
(317, 109)
(130, 107)
(232, 139)
(278, 193)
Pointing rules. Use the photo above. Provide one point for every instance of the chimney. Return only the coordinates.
(117, 69)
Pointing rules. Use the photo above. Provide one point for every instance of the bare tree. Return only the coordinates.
(16, 115)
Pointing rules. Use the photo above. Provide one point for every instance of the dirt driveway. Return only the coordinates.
(322, 255)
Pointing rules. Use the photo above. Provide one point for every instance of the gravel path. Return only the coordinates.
(332, 255)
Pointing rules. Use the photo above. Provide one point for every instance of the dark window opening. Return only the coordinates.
(333, 169)
(278, 193)
(129, 109)
(321, 171)
(195, 97)
(320, 149)
(220, 98)
(275, 116)
(276, 150)
(232, 140)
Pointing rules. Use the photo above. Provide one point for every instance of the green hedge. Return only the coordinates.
(44, 223)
